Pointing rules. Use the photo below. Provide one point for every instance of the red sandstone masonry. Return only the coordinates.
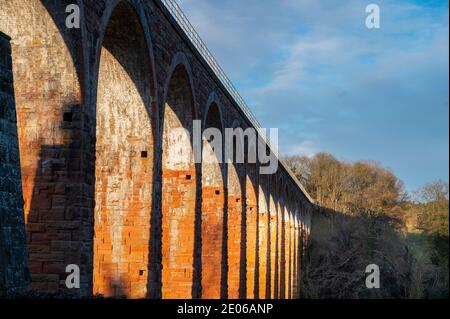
(251, 227)
(178, 233)
(273, 248)
(234, 244)
(124, 161)
(263, 224)
(212, 234)
(291, 257)
(279, 250)
(144, 241)
(296, 275)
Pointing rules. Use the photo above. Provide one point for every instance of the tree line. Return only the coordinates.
(365, 217)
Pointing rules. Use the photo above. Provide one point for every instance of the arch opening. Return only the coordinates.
(236, 206)
(289, 252)
(263, 239)
(213, 206)
(297, 277)
(273, 224)
(124, 158)
(292, 254)
(285, 245)
(251, 218)
(179, 189)
(279, 238)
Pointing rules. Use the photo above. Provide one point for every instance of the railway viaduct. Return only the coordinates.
(88, 176)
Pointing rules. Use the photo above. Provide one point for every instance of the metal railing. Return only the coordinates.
(187, 27)
(179, 16)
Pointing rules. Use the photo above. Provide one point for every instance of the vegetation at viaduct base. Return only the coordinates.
(365, 217)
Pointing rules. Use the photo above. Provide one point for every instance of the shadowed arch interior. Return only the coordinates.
(124, 158)
(179, 189)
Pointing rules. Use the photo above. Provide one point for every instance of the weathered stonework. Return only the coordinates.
(14, 272)
(98, 116)
(213, 253)
(263, 258)
(251, 217)
(124, 160)
(273, 230)
(236, 206)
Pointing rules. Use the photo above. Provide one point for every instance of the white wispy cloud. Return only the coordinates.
(305, 148)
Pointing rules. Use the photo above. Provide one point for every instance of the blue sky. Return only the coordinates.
(312, 69)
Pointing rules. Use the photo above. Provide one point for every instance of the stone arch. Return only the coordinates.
(124, 157)
(286, 241)
(180, 61)
(300, 247)
(308, 221)
(273, 226)
(180, 185)
(287, 244)
(307, 226)
(236, 223)
(284, 262)
(139, 10)
(302, 229)
(214, 102)
(251, 217)
(213, 201)
(275, 234)
(279, 237)
(296, 276)
(296, 257)
(291, 246)
(48, 74)
(263, 236)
